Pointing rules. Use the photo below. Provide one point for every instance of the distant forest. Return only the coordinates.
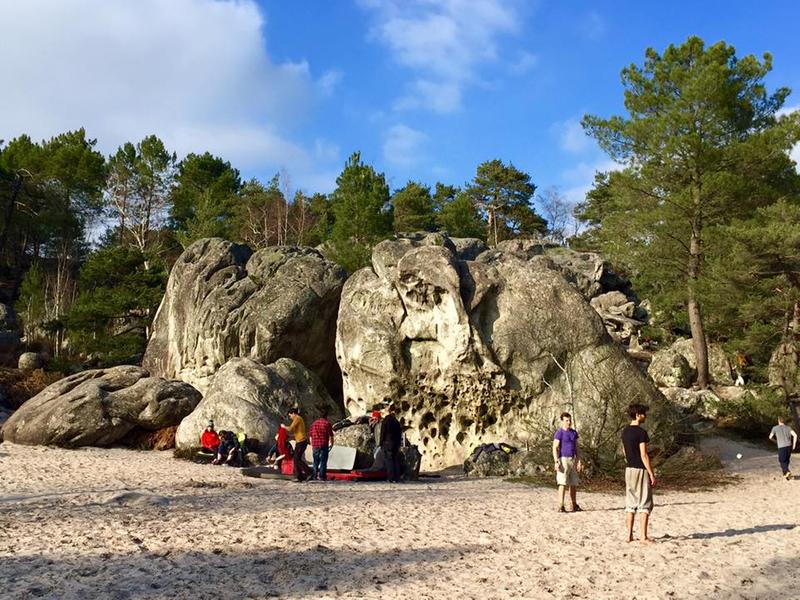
(703, 215)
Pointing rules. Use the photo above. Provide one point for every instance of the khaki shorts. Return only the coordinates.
(638, 493)
(568, 475)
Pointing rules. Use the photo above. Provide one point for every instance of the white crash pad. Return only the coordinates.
(340, 458)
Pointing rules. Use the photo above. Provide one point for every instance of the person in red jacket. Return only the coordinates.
(209, 440)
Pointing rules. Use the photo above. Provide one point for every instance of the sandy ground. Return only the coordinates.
(95, 523)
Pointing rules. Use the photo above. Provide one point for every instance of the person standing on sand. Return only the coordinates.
(298, 428)
(786, 439)
(639, 477)
(567, 462)
(321, 434)
(391, 435)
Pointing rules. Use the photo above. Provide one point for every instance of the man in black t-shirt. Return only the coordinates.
(639, 477)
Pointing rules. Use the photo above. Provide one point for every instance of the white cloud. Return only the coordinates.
(571, 136)
(578, 180)
(443, 42)
(525, 62)
(194, 72)
(403, 145)
(329, 81)
(326, 151)
(593, 26)
(440, 97)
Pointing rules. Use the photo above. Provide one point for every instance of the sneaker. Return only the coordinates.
(562, 509)
(788, 475)
(577, 508)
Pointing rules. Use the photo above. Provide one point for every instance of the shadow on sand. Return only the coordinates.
(220, 573)
(734, 532)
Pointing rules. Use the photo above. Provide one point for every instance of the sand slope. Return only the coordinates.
(119, 524)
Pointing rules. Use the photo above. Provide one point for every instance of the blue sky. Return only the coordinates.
(425, 90)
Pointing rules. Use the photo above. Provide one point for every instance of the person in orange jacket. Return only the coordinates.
(209, 440)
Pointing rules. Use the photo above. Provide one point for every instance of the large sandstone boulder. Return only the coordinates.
(99, 408)
(610, 294)
(670, 369)
(224, 301)
(473, 351)
(784, 368)
(719, 367)
(249, 397)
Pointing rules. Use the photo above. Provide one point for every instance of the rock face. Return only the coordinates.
(719, 367)
(249, 397)
(99, 408)
(224, 301)
(784, 368)
(496, 348)
(670, 369)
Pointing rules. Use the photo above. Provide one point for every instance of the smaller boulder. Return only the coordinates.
(719, 367)
(703, 403)
(488, 464)
(246, 396)
(670, 369)
(359, 437)
(29, 361)
(526, 464)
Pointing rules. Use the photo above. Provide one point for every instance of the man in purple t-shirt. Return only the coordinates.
(567, 462)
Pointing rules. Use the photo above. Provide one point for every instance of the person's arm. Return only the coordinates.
(646, 462)
(772, 435)
(556, 449)
(794, 439)
(578, 465)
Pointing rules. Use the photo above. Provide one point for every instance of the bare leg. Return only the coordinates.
(573, 496)
(561, 490)
(643, 519)
(629, 522)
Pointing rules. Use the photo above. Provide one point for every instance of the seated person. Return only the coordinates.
(228, 451)
(209, 440)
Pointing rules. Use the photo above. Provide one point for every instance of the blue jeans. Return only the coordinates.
(320, 462)
(784, 456)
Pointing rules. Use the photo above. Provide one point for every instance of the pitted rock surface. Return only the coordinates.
(99, 407)
(224, 301)
(252, 398)
(474, 351)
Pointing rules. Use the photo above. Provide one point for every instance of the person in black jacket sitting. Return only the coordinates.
(391, 435)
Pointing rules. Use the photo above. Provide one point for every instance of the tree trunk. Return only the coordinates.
(692, 304)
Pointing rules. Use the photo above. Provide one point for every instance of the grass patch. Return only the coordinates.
(685, 471)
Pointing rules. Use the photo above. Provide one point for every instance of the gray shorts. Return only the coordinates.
(638, 493)
(568, 474)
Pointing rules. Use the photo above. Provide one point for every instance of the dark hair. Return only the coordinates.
(635, 410)
(293, 411)
(565, 414)
(323, 411)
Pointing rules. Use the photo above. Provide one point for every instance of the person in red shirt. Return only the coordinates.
(321, 434)
(209, 440)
